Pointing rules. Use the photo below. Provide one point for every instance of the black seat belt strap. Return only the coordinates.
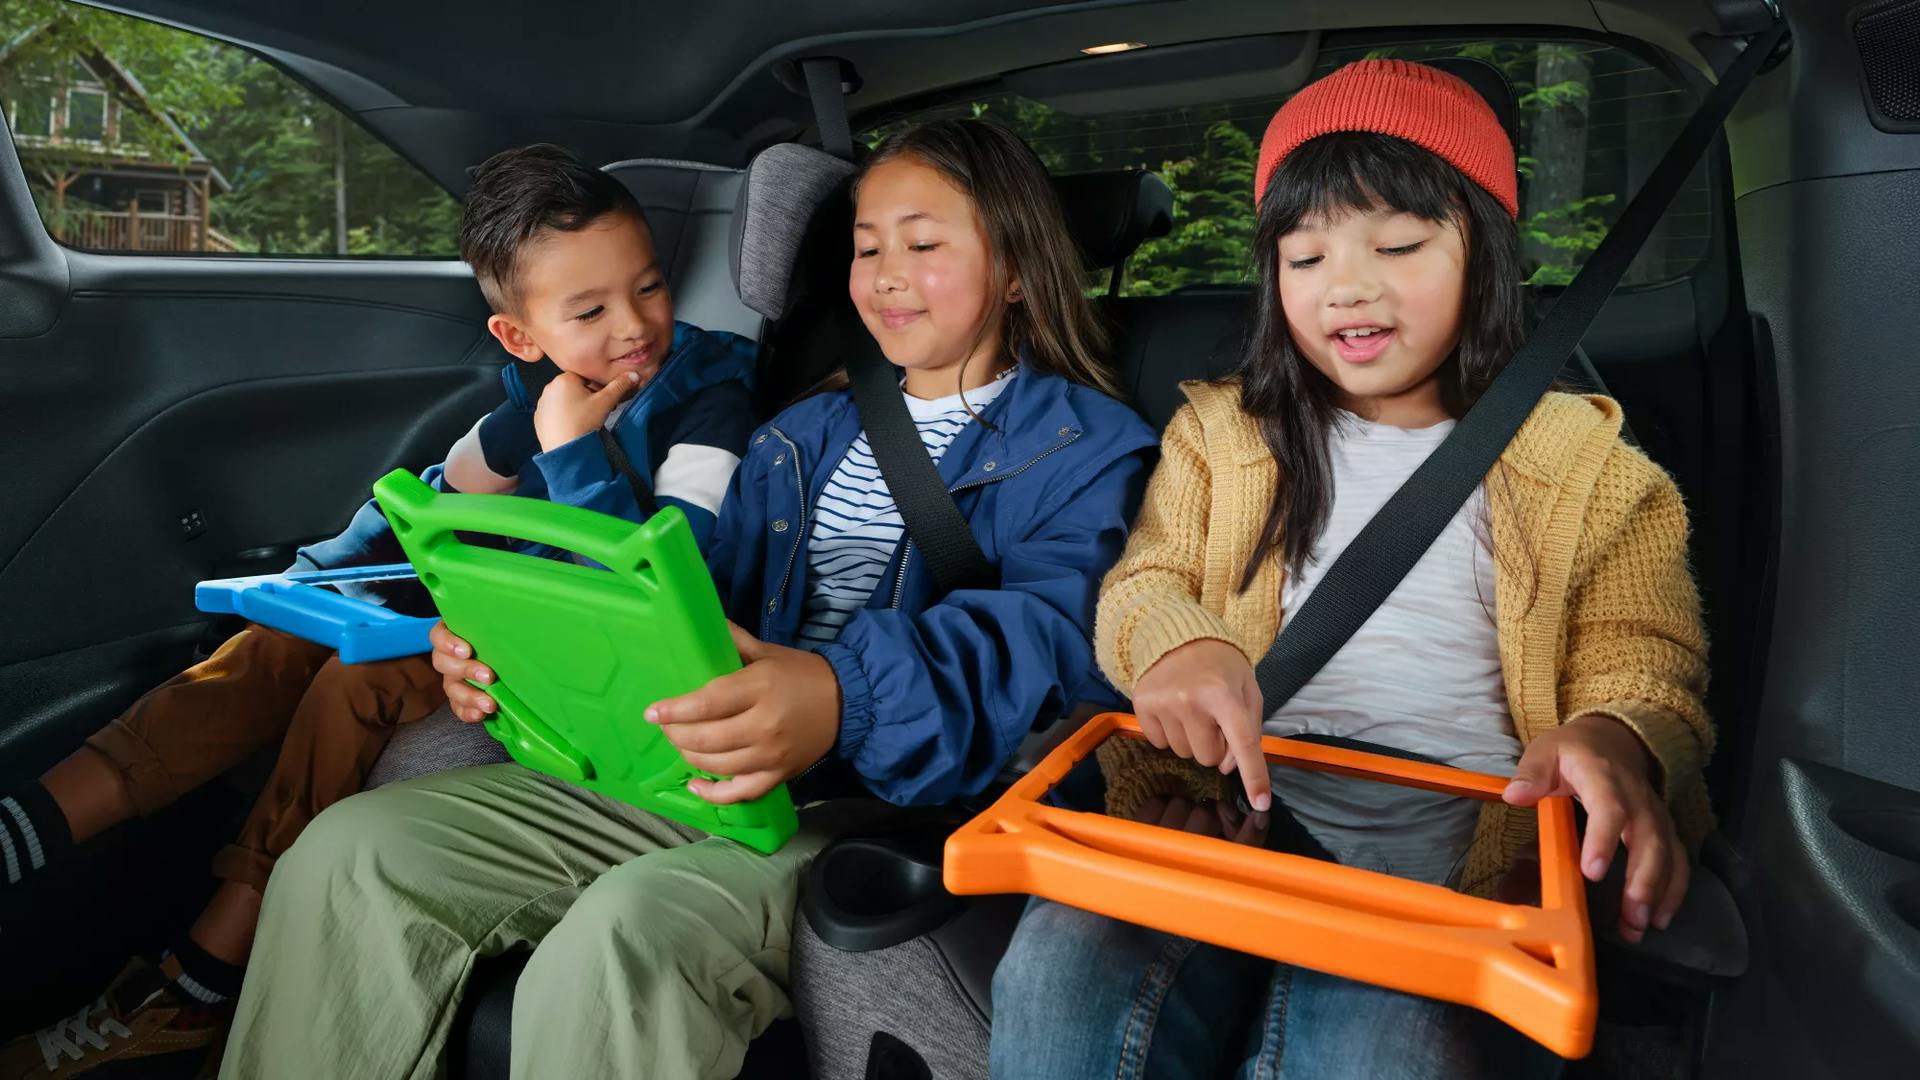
(617, 457)
(927, 509)
(1387, 548)
(823, 75)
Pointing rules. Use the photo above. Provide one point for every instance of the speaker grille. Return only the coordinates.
(1889, 44)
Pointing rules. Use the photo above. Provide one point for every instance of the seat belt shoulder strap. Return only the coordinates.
(1388, 546)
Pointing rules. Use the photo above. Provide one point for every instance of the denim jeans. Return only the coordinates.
(1081, 995)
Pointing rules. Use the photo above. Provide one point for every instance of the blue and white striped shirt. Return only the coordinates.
(857, 527)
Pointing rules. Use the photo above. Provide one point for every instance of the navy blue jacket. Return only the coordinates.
(700, 394)
(938, 691)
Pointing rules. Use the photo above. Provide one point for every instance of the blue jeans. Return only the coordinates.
(1081, 995)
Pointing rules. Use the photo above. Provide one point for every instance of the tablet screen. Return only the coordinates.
(1368, 822)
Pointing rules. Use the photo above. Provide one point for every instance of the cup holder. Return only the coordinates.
(865, 893)
(1892, 829)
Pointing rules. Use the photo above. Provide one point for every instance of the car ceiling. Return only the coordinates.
(449, 84)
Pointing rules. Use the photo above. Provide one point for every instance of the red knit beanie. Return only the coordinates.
(1421, 104)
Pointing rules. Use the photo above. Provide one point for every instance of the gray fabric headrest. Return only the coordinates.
(784, 185)
(689, 208)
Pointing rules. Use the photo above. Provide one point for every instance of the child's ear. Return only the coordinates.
(514, 339)
(1014, 292)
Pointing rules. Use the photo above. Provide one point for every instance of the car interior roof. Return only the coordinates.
(449, 92)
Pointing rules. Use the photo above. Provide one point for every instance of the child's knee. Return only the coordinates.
(369, 696)
(347, 839)
(636, 913)
(1054, 950)
(663, 925)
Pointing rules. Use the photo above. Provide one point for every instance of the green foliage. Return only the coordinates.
(183, 75)
(1568, 233)
(1553, 97)
(1212, 183)
(275, 143)
(281, 149)
(1213, 220)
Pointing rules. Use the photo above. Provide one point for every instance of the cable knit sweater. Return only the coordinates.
(1596, 610)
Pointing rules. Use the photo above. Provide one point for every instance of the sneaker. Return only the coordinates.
(143, 1026)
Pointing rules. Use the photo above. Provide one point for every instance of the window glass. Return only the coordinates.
(140, 137)
(31, 113)
(1593, 121)
(86, 115)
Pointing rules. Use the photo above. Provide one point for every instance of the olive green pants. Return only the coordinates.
(658, 951)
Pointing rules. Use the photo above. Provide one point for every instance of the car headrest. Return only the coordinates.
(688, 205)
(1109, 214)
(784, 185)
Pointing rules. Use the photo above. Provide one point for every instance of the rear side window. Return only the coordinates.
(1594, 120)
(137, 137)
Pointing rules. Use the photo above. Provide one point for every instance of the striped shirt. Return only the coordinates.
(856, 526)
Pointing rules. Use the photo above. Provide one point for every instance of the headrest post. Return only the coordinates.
(825, 88)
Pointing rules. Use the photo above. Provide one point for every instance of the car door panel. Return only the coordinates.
(183, 418)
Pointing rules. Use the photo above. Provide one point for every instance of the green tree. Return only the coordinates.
(42, 41)
(282, 150)
(1213, 150)
(181, 75)
(279, 148)
(1213, 221)
(1212, 182)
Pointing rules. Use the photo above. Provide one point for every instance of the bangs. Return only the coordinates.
(1331, 176)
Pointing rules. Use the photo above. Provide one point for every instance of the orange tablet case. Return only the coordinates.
(1530, 966)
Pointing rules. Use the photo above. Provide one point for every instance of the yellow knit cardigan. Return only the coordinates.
(1595, 609)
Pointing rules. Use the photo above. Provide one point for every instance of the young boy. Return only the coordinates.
(642, 412)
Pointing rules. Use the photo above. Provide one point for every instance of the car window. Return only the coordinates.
(139, 137)
(1593, 121)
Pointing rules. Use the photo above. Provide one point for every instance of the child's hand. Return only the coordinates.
(761, 725)
(570, 408)
(452, 658)
(1601, 762)
(1201, 700)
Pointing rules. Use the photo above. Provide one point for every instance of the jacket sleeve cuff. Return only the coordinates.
(1673, 745)
(856, 700)
(1169, 626)
(575, 465)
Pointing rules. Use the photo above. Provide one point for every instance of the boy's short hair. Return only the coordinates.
(516, 195)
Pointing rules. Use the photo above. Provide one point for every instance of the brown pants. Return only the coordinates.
(332, 721)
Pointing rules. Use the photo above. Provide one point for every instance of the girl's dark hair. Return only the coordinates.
(1294, 404)
(1054, 325)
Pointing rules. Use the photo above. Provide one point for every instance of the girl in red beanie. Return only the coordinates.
(1552, 632)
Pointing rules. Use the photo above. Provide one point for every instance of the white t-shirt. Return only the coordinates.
(1423, 674)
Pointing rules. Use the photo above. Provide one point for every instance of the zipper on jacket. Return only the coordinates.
(900, 579)
(800, 486)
